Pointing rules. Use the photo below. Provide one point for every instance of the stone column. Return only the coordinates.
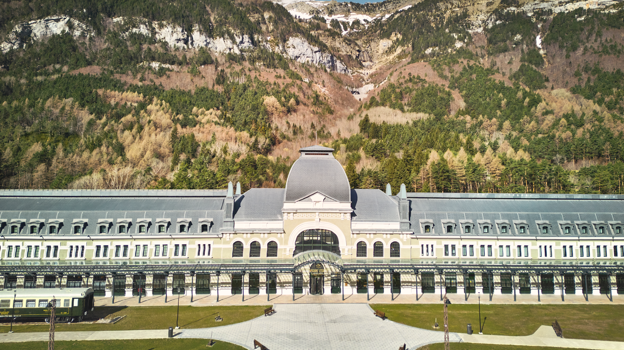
(169, 286)
(86, 279)
(20, 281)
(129, 281)
(461, 287)
(578, 283)
(109, 285)
(595, 283)
(149, 285)
(62, 280)
(40, 280)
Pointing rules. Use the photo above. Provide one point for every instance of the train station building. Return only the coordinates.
(315, 236)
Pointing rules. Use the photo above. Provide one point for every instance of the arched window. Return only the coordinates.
(395, 250)
(254, 250)
(317, 240)
(361, 249)
(237, 250)
(272, 250)
(378, 250)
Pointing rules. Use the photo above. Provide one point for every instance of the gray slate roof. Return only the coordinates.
(260, 204)
(322, 173)
(373, 205)
(532, 211)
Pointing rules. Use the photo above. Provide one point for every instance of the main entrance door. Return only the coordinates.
(317, 278)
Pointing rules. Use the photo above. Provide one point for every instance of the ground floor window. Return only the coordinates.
(99, 285)
(298, 283)
(237, 283)
(525, 283)
(469, 284)
(178, 284)
(450, 282)
(605, 285)
(570, 286)
(548, 283)
(10, 282)
(138, 285)
(362, 283)
(336, 283)
(119, 285)
(506, 283)
(378, 282)
(396, 283)
(486, 282)
(49, 281)
(586, 283)
(272, 282)
(74, 281)
(254, 283)
(428, 282)
(202, 283)
(619, 280)
(159, 285)
(30, 281)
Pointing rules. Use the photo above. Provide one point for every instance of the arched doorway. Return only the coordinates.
(317, 239)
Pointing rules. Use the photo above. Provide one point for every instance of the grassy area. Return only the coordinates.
(146, 344)
(600, 322)
(466, 346)
(158, 317)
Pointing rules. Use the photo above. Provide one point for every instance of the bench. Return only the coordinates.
(404, 347)
(557, 329)
(257, 344)
(380, 314)
(269, 311)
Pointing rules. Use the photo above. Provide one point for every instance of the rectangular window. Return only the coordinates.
(482, 250)
(5, 303)
(571, 252)
(486, 229)
(82, 249)
(55, 251)
(102, 229)
(565, 252)
(165, 249)
(540, 251)
(604, 251)
(157, 250)
(105, 251)
(43, 303)
(98, 250)
(598, 251)
(48, 251)
(71, 250)
(550, 251)
(588, 251)
(489, 250)
(28, 251)
(526, 251)
(137, 251)
(471, 250)
(508, 248)
(501, 253)
(519, 254)
(446, 250)
(145, 249)
(464, 250)
(125, 251)
(117, 251)
(31, 303)
(17, 251)
(66, 303)
(161, 228)
(581, 252)
(122, 229)
(36, 255)
(176, 250)
(183, 249)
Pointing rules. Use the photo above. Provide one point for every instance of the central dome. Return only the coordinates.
(317, 170)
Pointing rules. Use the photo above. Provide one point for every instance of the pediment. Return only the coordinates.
(317, 198)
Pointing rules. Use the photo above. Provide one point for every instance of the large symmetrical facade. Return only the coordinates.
(315, 236)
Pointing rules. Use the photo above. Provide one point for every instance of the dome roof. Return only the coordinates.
(317, 170)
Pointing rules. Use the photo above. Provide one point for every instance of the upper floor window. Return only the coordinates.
(618, 230)
(77, 229)
(254, 250)
(522, 229)
(204, 228)
(34, 230)
(449, 228)
(584, 230)
(378, 250)
(486, 229)
(52, 229)
(162, 228)
(122, 228)
(14, 229)
(545, 229)
(142, 228)
(361, 250)
(237, 250)
(601, 230)
(103, 229)
(272, 250)
(427, 228)
(395, 250)
(567, 230)
(183, 228)
(467, 229)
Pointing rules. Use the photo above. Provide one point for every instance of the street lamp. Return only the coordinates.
(13, 317)
(178, 313)
(480, 328)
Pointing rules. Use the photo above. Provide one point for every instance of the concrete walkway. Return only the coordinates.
(544, 337)
(96, 335)
(211, 300)
(322, 327)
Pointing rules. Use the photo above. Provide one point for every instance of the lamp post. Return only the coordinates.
(13, 316)
(178, 313)
(480, 328)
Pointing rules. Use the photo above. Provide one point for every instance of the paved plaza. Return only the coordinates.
(322, 327)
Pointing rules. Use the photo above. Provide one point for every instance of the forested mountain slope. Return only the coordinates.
(446, 96)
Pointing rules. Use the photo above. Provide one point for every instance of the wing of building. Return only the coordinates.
(315, 236)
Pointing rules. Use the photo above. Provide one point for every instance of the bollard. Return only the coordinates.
(469, 330)
(170, 332)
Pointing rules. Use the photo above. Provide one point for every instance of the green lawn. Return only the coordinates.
(466, 346)
(158, 317)
(600, 322)
(147, 344)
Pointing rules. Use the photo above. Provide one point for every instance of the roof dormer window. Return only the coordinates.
(14, 229)
(122, 229)
(567, 230)
(77, 229)
(467, 229)
(162, 228)
(618, 230)
(601, 230)
(183, 228)
(486, 229)
(449, 228)
(545, 230)
(103, 229)
(204, 228)
(584, 230)
(504, 229)
(142, 228)
(52, 229)
(34, 230)
(522, 229)
(427, 228)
